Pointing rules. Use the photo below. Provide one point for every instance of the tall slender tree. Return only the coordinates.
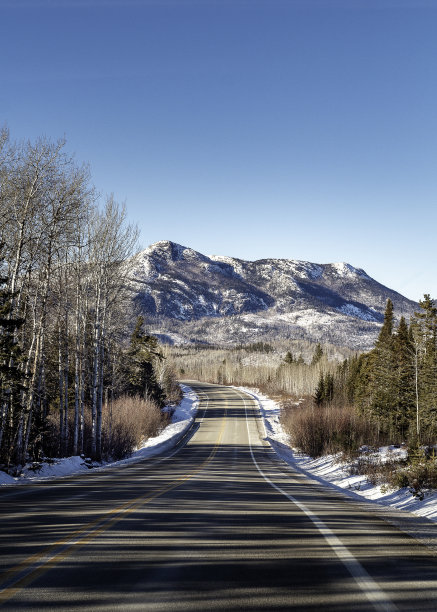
(381, 375)
(424, 333)
(404, 379)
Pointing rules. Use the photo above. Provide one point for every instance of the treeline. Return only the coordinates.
(64, 319)
(393, 386)
(282, 367)
(387, 396)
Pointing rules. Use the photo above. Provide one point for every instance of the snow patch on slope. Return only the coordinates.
(354, 311)
(347, 271)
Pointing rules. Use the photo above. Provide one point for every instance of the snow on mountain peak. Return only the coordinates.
(348, 271)
(205, 299)
(172, 251)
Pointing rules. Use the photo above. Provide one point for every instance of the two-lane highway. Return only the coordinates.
(220, 523)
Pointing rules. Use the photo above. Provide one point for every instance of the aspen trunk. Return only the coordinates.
(100, 391)
(95, 376)
(60, 390)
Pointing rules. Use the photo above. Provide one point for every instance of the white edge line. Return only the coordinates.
(374, 594)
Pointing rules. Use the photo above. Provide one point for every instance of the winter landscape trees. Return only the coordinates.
(64, 264)
(395, 383)
(71, 348)
(387, 395)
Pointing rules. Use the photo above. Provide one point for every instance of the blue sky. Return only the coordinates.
(301, 129)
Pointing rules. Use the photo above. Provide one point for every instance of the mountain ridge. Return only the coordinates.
(189, 297)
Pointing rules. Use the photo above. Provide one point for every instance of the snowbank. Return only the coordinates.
(330, 470)
(181, 420)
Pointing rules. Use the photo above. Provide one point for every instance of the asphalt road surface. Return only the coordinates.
(220, 523)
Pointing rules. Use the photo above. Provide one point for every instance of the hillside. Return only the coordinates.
(189, 297)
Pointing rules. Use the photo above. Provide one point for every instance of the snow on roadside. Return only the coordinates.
(330, 470)
(181, 420)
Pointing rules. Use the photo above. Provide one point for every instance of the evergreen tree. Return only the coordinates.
(11, 377)
(142, 354)
(340, 382)
(318, 354)
(386, 331)
(319, 394)
(289, 358)
(381, 376)
(325, 389)
(358, 382)
(404, 352)
(329, 388)
(424, 332)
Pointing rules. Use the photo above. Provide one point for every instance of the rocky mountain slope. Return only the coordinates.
(188, 297)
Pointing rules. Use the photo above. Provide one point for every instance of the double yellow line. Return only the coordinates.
(19, 576)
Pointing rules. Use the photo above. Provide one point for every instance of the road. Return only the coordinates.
(220, 523)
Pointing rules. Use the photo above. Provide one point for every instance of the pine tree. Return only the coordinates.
(329, 388)
(382, 375)
(289, 358)
(386, 331)
(424, 331)
(325, 389)
(11, 377)
(318, 354)
(319, 394)
(358, 382)
(142, 353)
(404, 352)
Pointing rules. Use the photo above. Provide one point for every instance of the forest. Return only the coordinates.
(393, 386)
(337, 401)
(72, 352)
(79, 374)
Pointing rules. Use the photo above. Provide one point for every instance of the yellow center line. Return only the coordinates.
(19, 576)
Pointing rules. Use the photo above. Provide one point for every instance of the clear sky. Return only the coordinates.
(302, 129)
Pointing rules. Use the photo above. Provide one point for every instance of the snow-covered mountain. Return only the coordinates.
(189, 297)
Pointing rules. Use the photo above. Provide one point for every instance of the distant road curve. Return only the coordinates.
(220, 524)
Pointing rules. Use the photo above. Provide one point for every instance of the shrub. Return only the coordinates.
(377, 472)
(126, 423)
(171, 387)
(420, 474)
(318, 430)
(417, 473)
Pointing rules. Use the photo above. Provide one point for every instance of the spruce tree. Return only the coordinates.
(11, 377)
(325, 389)
(142, 354)
(386, 331)
(288, 358)
(319, 394)
(358, 382)
(382, 375)
(318, 354)
(404, 352)
(424, 331)
(329, 388)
